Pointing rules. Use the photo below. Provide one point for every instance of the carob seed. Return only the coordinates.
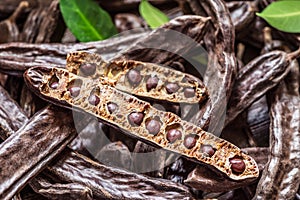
(172, 88)
(94, 100)
(54, 85)
(151, 83)
(190, 141)
(134, 77)
(88, 69)
(207, 149)
(237, 165)
(189, 92)
(112, 107)
(135, 118)
(173, 135)
(74, 91)
(153, 126)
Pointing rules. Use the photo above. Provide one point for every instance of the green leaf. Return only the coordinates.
(153, 16)
(86, 20)
(283, 15)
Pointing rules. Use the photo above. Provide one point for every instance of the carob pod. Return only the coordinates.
(221, 68)
(281, 177)
(256, 78)
(162, 45)
(258, 117)
(12, 119)
(12, 116)
(73, 176)
(9, 28)
(204, 179)
(139, 78)
(132, 115)
(42, 138)
(43, 24)
(242, 14)
(113, 183)
(43, 186)
(15, 58)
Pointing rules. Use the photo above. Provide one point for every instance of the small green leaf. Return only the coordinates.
(153, 16)
(86, 20)
(283, 15)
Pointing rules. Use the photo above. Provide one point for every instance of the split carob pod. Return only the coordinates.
(139, 119)
(78, 182)
(281, 177)
(256, 78)
(42, 138)
(140, 78)
(15, 58)
(204, 179)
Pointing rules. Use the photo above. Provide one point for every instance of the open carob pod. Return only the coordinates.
(140, 78)
(139, 119)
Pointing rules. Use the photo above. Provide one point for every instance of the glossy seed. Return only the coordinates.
(172, 88)
(74, 91)
(135, 118)
(94, 100)
(151, 83)
(54, 85)
(134, 77)
(88, 69)
(237, 165)
(190, 141)
(173, 135)
(189, 92)
(153, 126)
(207, 149)
(112, 107)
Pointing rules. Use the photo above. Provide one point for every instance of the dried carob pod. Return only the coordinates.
(42, 185)
(204, 179)
(15, 58)
(221, 67)
(113, 183)
(162, 45)
(256, 78)
(139, 78)
(48, 134)
(12, 117)
(242, 14)
(258, 117)
(9, 29)
(281, 177)
(139, 119)
(42, 24)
